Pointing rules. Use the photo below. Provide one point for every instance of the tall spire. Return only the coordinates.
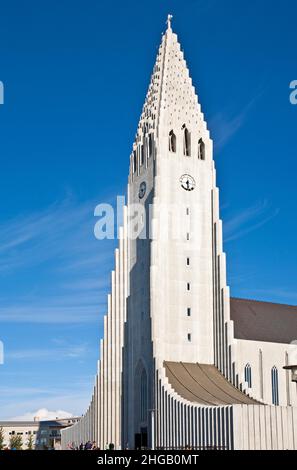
(171, 97)
(169, 18)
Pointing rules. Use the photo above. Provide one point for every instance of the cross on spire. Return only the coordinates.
(169, 18)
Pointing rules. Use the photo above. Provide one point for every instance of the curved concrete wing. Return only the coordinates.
(204, 384)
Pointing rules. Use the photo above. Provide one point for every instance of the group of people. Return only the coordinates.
(89, 446)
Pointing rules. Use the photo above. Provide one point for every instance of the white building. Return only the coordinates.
(36, 434)
(26, 430)
(180, 362)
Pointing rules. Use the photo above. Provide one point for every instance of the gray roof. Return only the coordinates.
(42, 423)
(204, 384)
(264, 321)
(253, 320)
(20, 423)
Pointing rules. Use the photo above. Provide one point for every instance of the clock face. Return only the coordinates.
(187, 182)
(142, 190)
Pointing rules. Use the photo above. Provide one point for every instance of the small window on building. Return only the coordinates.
(188, 261)
(188, 286)
(134, 161)
(188, 236)
(187, 141)
(141, 155)
(274, 386)
(188, 211)
(188, 311)
(189, 337)
(172, 142)
(150, 145)
(201, 150)
(248, 375)
(143, 396)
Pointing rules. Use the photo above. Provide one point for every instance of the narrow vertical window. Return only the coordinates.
(188, 286)
(274, 386)
(134, 161)
(248, 375)
(188, 236)
(187, 141)
(189, 337)
(172, 142)
(143, 396)
(201, 150)
(188, 261)
(146, 148)
(141, 155)
(188, 312)
(150, 145)
(188, 211)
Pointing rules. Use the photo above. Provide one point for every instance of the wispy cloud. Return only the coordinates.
(64, 309)
(62, 352)
(17, 401)
(42, 414)
(54, 272)
(58, 240)
(74, 403)
(62, 232)
(248, 220)
(225, 124)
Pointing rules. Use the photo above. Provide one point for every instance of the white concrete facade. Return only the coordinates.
(170, 300)
(24, 429)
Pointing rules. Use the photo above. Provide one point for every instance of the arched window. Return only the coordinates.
(187, 141)
(150, 145)
(201, 150)
(274, 386)
(172, 142)
(141, 155)
(248, 375)
(134, 161)
(143, 396)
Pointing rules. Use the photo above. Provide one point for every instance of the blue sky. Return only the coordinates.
(75, 75)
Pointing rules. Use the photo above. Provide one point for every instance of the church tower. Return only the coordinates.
(178, 303)
(171, 373)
